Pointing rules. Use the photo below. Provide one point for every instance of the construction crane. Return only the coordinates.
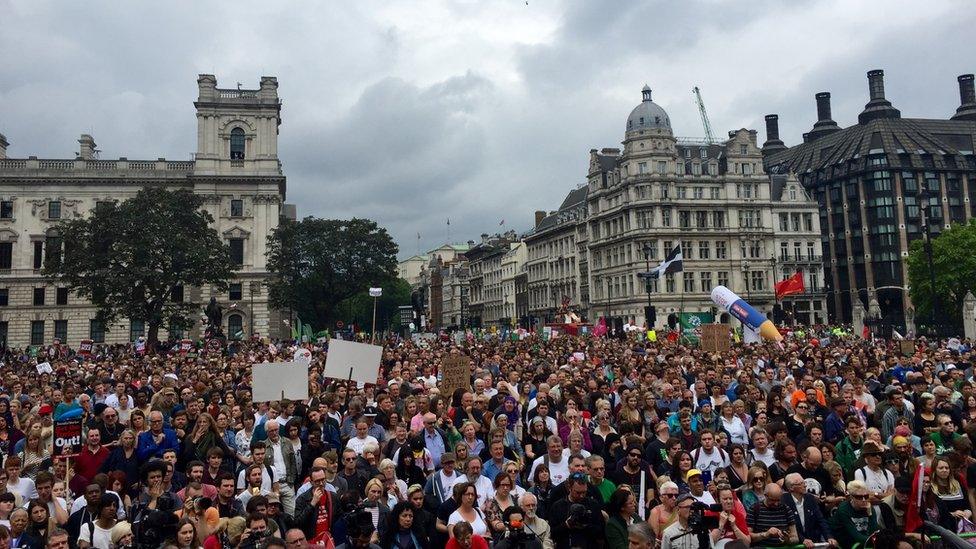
(704, 116)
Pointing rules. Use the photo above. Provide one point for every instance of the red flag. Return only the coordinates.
(600, 329)
(790, 286)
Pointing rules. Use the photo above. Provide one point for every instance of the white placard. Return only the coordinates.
(364, 359)
(44, 367)
(269, 381)
(303, 355)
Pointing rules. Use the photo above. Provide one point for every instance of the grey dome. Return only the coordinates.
(648, 115)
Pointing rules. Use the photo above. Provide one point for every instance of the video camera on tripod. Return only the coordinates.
(700, 525)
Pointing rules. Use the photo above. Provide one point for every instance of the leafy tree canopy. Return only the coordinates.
(317, 263)
(955, 274)
(358, 309)
(130, 258)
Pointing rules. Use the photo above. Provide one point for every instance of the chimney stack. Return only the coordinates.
(878, 106)
(823, 106)
(824, 125)
(3, 146)
(773, 143)
(539, 216)
(967, 99)
(87, 143)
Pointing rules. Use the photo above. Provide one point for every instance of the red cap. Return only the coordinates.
(45, 410)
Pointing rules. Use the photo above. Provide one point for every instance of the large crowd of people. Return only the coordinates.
(556, 443)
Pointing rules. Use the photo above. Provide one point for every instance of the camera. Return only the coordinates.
(698, 522)
(578, 514)
(201, 504)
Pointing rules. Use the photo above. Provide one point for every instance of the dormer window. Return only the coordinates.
(237, 144)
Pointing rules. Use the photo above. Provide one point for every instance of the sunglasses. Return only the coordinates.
(860, 497)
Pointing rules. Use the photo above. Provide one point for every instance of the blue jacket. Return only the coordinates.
(147, 447)
(814, 526)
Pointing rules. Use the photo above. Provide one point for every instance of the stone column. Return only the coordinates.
(857, 316)
(969, 315)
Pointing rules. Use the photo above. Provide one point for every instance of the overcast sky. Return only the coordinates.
(412, 112)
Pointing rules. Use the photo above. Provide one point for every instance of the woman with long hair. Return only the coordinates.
(40, 520)
(402, 530)
(541, 489)
(205, 435)
(622, 512)
(926, 421)
(754, 490)
(969, 412)
(137, 421)
(680, 465)
(664, 514)
(34, 457)
(732, 424)
(947, 487)
(775, 408)
(468, 511)
(732, 526)
(243, 437)
(185, 536)
(628, 412)
(737, 469)
(407, 470)
(119, 483)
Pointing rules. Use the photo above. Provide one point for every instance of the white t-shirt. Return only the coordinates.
(879, 481)
(80, 503)
(102, 538)
(710, 462)
(769, 458)
(479, 525)
(358, 444)
(23, 488)
(266, 481)
(558, 472)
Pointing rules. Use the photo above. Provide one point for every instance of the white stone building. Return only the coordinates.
(235, 167)
(711, 198)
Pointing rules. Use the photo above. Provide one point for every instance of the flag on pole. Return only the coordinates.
(502, 222)
(673, 263)
(790, 286)
(448, 220)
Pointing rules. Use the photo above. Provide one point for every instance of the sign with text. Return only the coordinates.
(85, 347)
(67, 438)
(455, 374)
(715, 338)
(907, 347)
(278, 380)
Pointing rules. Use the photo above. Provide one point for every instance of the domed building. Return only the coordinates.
(712, 199)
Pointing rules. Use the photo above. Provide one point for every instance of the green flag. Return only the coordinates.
(691, 325)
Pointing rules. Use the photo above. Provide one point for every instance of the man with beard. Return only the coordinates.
(631, 470)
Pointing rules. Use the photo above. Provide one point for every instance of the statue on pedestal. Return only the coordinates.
(214, 320)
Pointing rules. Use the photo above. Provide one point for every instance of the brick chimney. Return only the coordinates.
(825, 125)
(539, 216)
(773, 143)
(967, 99)
(87, 144)
(878, 106)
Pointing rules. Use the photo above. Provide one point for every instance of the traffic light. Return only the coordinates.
(650, 313)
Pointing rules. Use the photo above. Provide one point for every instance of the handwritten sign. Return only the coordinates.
(455, 374)
(715, 338)
(907, 347)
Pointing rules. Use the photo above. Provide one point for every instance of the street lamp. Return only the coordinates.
(745, 277)
(648, 251)
(923, 199)
(375, 293)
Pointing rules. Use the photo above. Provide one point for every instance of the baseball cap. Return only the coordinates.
(414, 488)
(45, 410)
(685, 496)
(692, 473)
(370, 411)
(448, 457)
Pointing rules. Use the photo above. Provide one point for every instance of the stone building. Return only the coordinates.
(714, 199)
(235, 167)
(485, 278)
(871, 181)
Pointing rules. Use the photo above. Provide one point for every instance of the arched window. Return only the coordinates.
(235, 326)
(237, 144)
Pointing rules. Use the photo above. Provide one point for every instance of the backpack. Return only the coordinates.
(697, 452)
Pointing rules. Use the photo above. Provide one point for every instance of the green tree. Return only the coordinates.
(359, 308)
(315, 264)
(130, 258)
(955, 273)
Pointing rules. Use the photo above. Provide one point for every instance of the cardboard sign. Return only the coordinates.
(455, 374)
(85, 347)
(185, 346)
(279, 380)
(303, 355)
(715, 338)
(45, 367)
(907, 347)
(67, 438)
(350, 360)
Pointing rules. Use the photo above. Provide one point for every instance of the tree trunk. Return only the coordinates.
(152, 335)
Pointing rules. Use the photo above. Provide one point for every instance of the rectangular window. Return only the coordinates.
(698, 193)
(6, 255)
(703, 153)
(54, 209)
(61, 298)
(61, 330)
(810, 251)
(176, 295)
(706, 282)
(714, 193)
(669, 283)
(38, 297)
(666, 217)
(703, 249)
(96, 331)
(237, 208)
(758, 281)
(720, 250)
(682, 193)
(103, 206)
(684, 219)
(38, 254)
(686, 249)
(6, 209)
(718, 219)
(52, 248)
(689, 281)
(4, 297)
(701, 220)
(784, 222)
(784, 251)
(136, 328)
(662, 167)
(236, 291)
(237, 251)
(723, 278)
(743, 149)
(37, 332)
(747, 169)
(642, 167)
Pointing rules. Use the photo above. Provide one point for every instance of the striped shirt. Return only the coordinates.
(762, 517)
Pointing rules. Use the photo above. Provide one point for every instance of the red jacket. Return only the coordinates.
(89, 464)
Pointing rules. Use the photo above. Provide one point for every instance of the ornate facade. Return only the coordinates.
(236, 168)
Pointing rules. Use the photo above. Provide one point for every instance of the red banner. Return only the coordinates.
(85, 348)
(790, 286)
